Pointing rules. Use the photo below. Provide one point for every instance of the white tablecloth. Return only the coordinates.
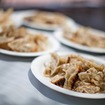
(15, 85)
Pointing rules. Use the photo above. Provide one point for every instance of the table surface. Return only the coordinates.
(15, 85)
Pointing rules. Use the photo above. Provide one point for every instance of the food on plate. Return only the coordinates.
(76, 73)
(20, 40)
(47, 19)
(86, 36)
(5, 17)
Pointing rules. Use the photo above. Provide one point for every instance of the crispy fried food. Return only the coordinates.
(86, 36)
(47, 19)
(20, 40)
(76, 73)
(5, 17)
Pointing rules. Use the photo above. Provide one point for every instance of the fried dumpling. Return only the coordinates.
(13, 32)
(47, 19)
(8, 34)
(76, 73)
(23, 45)
(4, 42)
(5, 17)
(21, 40)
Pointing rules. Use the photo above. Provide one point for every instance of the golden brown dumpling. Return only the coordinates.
(4, 42)
(5, 17)
(23, 45)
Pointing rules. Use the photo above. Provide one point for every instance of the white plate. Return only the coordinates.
(53, 46)
(59, 36)
(37, 68)
(69, 22)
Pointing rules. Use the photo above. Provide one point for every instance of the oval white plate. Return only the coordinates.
(53, 46)
(69, 22)
(37, 68)
(59, 36)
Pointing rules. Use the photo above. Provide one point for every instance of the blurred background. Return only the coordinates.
(85, 12)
